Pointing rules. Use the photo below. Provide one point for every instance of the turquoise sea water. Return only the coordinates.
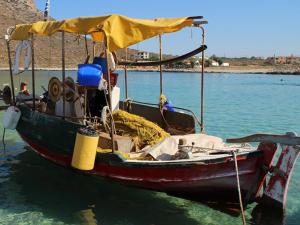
(35, 191)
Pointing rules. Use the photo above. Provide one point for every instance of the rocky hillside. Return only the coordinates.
(48, 49)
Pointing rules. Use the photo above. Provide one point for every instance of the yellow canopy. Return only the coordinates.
(120, 31)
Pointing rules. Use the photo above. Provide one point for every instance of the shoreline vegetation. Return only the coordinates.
(232, 69)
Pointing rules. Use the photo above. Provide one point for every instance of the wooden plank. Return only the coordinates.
(275, 193)
(157, 63)
(195, 17)
(198, 23)
(288, 139)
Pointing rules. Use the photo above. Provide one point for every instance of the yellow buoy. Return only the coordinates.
(85, 149)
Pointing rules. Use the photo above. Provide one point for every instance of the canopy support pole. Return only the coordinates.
(112, 130)
(94, 50)
(47, 11)
(125, 72)
(33, 70)
(86, 46)
(160, 66)
(11, 73)
(63, 70)
(202, 82)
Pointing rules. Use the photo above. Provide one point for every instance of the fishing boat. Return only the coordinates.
(84, 126)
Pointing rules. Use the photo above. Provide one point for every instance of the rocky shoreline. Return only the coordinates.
(231, 70)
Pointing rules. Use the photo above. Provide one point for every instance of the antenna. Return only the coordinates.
(47, 10)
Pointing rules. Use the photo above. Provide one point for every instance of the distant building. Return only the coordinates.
(291, 59)
(282, 60)
(225, 64)
(271, 60)
(214, 63)
(142, 55)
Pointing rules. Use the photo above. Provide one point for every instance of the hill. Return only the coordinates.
(47, 49)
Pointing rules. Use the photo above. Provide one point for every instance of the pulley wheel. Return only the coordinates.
(6, 95)
(54, 89)
(69, 89)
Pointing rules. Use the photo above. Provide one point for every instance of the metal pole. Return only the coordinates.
(86, 46)
(85, 104)
(160, 66)
(10, 72)
(63, 70)
(94, 50)
(33, 70)
(126, 81)
(47, 10)
(109, 94)
(202, 81)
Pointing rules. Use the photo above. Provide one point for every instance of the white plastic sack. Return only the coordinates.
(11, 117)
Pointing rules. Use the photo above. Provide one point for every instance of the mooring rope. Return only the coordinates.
(239, 187)
(3, 141)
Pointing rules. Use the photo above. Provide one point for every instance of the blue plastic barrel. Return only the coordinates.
(102, 62)
(89, 74)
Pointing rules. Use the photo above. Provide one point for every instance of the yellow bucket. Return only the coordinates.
(85, 149)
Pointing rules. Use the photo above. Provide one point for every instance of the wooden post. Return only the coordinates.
(85, 104)
(202, 82)
(10, 72)
(126, 81)
(110, 97)
(160, 66)
(33, 70)
(63, 70)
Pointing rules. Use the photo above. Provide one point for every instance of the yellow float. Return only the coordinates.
(85, 149)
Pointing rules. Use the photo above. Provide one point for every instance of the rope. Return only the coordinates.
(239, 188)
(111, 115)
(3, 140)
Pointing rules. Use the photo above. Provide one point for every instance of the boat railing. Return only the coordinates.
(289, 138)
(175, 107)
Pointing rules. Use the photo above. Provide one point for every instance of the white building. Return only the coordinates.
(142, 55)
(214, 63)
(224, 64)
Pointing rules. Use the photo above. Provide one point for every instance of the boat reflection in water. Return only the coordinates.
(263, 215)
(75, 198)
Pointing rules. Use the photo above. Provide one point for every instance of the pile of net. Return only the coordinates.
(142, 131)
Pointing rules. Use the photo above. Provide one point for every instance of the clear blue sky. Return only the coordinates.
(236, 27)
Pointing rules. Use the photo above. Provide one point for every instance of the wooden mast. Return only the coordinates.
(202, 81)
(126, 73)
(10, 70)
(63, 65)
(109, 95)
(160, 66)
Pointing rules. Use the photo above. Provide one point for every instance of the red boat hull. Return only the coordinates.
(197, 180)
(54, 139)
